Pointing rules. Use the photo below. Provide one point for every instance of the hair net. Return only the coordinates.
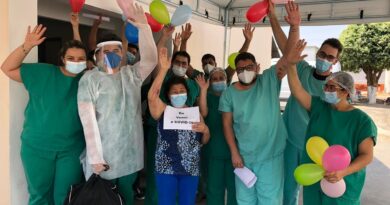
(344, 80)
(218, 69)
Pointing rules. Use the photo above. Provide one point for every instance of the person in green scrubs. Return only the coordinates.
(254, 130)
(337, 122)
(295, 116)
(216, 153)
(52, 137)
(180, 63)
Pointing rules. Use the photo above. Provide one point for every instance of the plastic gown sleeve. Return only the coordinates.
(148, 52)
(88, 119)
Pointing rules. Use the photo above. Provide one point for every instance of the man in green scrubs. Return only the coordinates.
(254, 130)
(52, 137)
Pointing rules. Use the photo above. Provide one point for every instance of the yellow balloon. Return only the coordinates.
(231, 59)
(315, 147)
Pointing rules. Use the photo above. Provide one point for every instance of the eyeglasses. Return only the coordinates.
(331, 88)
(250, 67)
(323, 55)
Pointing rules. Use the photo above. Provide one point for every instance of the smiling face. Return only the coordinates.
(74, 55)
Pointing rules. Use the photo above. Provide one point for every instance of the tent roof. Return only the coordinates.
(323, 12)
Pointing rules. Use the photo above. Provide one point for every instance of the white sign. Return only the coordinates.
(180, 118)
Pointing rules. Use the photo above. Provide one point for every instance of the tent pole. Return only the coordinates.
(226, 44)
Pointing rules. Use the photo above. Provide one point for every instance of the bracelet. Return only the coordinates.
(24, 50)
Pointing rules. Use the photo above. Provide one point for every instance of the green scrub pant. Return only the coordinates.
(220, 178)
(50, 174)
(292, 159)
(313, 195)
(268, 189)
(125, 186)
(151, 188)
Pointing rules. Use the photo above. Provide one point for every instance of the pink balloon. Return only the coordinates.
(333, 190)
(125, 7)
(257, 11)
(336, 158)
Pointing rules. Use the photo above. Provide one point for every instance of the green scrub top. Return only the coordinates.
(51, 117)
(295, 116)
(257, 122)
(191, 98)
(348, 129)
(217, 147)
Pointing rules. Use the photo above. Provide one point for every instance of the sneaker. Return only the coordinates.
(139, 194)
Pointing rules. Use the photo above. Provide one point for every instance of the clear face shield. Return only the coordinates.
(109, 56)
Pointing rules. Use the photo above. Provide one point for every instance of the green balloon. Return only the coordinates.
(231, 60)
(159, 12)
(308, 174)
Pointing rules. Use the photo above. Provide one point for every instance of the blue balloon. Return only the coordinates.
(131, 33)
(182, 15)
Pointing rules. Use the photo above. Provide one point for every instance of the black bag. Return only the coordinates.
(96, 191)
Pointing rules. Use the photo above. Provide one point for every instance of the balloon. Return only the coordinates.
(154, 25)
(333, 190)
(181, 16)
(125, 7)
(315, 148)
(159, 12)
(257, 11)
(131, 33)
(308, 174)
(231, 60)
(76, 5)
(336, 158)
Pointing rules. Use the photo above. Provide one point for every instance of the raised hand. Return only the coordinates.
(74, 19)
(271, 8)
(176, 40)
(248, 31)
(202, 82)
(186, 32)
(34, 37)
(164, 61)
(98, 21)
(293, 18)
(293, 55)
(168, 31)
(139, 17)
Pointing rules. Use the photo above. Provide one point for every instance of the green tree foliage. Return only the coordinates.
(367, 48)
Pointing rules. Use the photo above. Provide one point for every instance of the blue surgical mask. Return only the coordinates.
(178, 100)
(112, 60)
(219, 86)
(75, 67)
(322, 65)
(331, 97)
(130, 58)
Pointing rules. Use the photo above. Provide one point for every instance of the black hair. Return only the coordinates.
(175, 80)
(66, 46)
(181, 53)
(208, 56)
(90, 57)
(131, 45)
(335, 43)
(244, 56)
(109, 37)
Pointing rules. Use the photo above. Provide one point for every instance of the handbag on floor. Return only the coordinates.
(96, 191)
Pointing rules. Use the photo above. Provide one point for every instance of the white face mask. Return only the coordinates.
(75, 67)
(208, 68)
(179, 71)
(246, 77)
